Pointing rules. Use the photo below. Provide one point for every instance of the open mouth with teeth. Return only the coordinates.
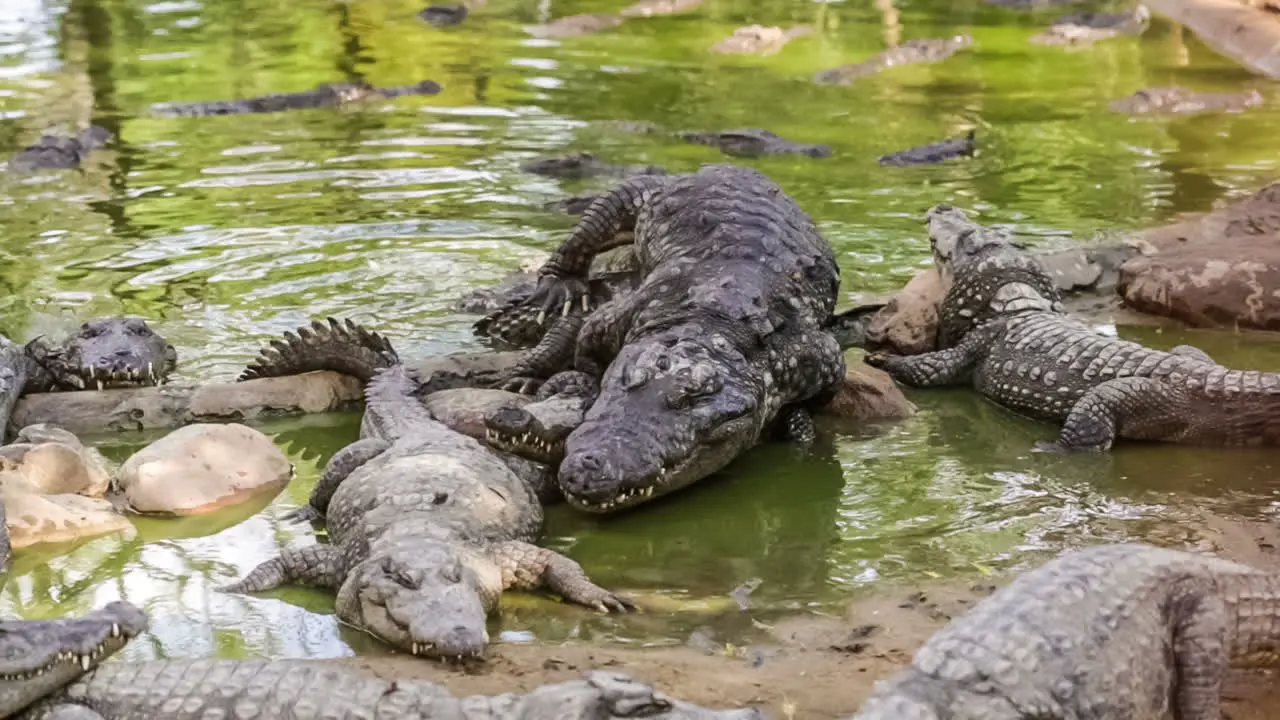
(660, 483)
(96, 378)
(527, 445)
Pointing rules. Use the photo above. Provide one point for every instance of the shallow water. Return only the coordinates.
(227, 231)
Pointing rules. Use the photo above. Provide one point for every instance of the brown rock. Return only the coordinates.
(48, 460)
(33, 519)
(1221, 269)
(201, 468)
(908, 323)
(869, 394)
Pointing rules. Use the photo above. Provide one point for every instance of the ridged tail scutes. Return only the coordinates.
(342, 346)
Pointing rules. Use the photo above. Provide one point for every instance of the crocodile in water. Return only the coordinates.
(1009, 338)
(427, 526)
(1111, 632)
(934, 152)
(585, 165)
(56, 152)
(753, 142)
(40, 657)
(1176, 100)
(919, 50)
(322, 96)
(723, 337)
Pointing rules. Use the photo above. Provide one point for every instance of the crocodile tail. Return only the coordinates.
(341, 346)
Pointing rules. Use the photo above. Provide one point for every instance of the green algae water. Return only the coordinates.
(226, 231)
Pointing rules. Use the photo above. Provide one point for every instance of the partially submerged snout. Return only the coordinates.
(113, 353)
(38, 657)
(536, 431)
(426, 603)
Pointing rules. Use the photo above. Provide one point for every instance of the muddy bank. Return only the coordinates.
(812, 666)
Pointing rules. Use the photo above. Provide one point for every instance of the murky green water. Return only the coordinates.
(227, 231)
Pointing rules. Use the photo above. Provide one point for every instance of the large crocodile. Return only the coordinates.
(934, 152)
(102, 353)
(1111, 632)
(427, 526)
(59, 152)
(40, 657)
(917, 50)
(723, 337)
(321, 96)
(52, 670)
(753, 142)
(1007, 335)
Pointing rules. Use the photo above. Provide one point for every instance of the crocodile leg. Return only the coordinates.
(314, 565)
(795, 424)
(553, 352)
(563, 277)
(528, 567)
(1102, 413)
(342, 464)
(1192, 352)
(951, 366)
(605, 332)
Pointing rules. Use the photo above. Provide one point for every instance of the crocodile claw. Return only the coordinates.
(306, 513)
(558, 293)
(520, 385)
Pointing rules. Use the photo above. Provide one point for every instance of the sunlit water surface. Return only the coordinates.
(227, 231)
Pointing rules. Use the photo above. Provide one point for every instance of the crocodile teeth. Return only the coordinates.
(85, 662)
(99, 384)
(115, 630)
(93, 372)
(415, 648)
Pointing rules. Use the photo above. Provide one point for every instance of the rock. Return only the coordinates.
(1220, 269)
(201, 468)
(908, 323)
(759, 40)
(33, 519)
(868, 394)
(48, 460)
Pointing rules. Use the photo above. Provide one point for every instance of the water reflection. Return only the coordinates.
(225, 231)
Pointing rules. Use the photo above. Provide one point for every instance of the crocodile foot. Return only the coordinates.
(559, 293)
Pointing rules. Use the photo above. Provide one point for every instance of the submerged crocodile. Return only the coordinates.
(1007, 335)
(1086, 28)
(723, 337)
(322, 96)
(585, 165)
(1111, 632)
(52, 670)
(103, 353)
(55, 152)
(1176, 100)
(427, 526)
(934, 152)
(753, 142)
(918, 50)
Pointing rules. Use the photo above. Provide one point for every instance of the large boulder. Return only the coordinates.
(201, 468)
(908, 323)
(1219, 269)
(34, 519)
(48, 460)
(868, 394)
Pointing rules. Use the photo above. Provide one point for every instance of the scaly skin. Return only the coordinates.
(724, 336)
(295, 689)
(931, 153)
(1176, 100)
(39, 657)
(54, 152)
(1025, 355)
(1111, 632)
(427, 526)
(918, 50)
(585, 165)
(322, 96)
(754, 142)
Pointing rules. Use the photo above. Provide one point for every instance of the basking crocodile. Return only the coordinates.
(1008, 336)
(723, 336)
(322, 96)
(427, 527)
(51, 670)
(918, 50)
(103, 353)
(753, 142)
(40, 657)
(934, 152)
(585, 165)
(1111, 632)
(55, 152)
(1176, 100)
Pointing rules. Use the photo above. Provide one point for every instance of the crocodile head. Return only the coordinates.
(39, 657)
(423, 599)
(536, 431)
(107, 353)
(671, 411)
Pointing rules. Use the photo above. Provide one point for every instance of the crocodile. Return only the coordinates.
(103, 353)
(585, 165)
(1009, 337)
(38, 658)
(1109, 632)
(55, 152)
(934, 152)
(1086, 28)
(1177, 100)
(427, 526)
(322, 96)
(444, 15)
(918, 50)
(753, 142)
(722, 340)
